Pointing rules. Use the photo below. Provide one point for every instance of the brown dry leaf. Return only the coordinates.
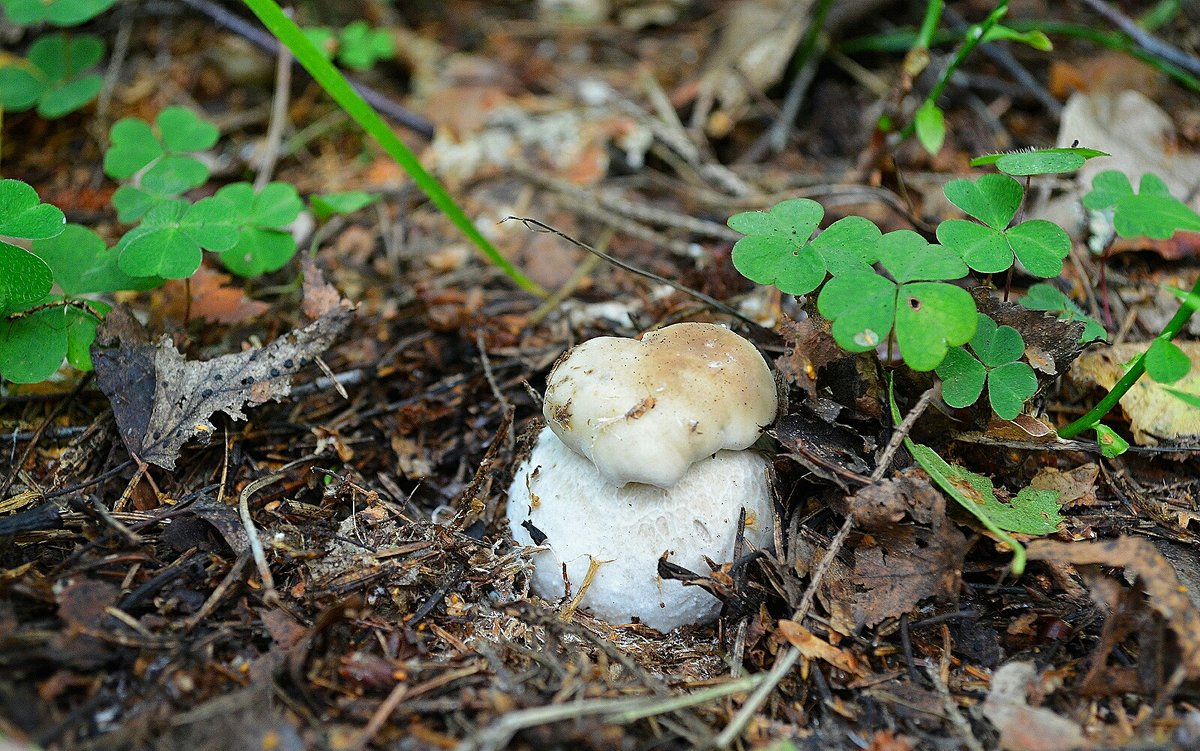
(1154, 414)
(1075, 487)
(1139, 557)
(213, 298)
(160, 400)
(882, 504)
(904, 567)
(815, 648)
(1022, 727)
(810, 347)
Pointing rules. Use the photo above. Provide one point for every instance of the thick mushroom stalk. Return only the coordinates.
(559, 500)
(644, 411)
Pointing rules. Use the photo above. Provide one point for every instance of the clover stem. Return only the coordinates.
(1136, 369)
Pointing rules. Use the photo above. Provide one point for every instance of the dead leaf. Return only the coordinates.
(1075, 487)
(1022, 727)
(1138, 556)
(815, 648)
(1155, 415)
(810, 347)
(161, 400)
(904, 567)
(212, 298)
(881, 505)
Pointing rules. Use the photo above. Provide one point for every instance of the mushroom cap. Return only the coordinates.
(645, 410)
(628, 527)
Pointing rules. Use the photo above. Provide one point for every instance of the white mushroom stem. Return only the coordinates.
(561, 499)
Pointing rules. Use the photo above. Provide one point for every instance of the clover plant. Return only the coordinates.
(156, 160)
(57, 75)
(993, 356)
(357, 46)
(56, 12)
(1043, 296)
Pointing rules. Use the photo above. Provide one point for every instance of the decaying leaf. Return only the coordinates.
(161, 400)
(810, 347)
(1076, 487)
(1139, 557)
(1155, 415)
(904, 567)
(1022, 727)
(815, 648)
(881, 505)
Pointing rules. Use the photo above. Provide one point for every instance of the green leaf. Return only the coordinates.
(61, 57)
(1188, 398)
(133, 146)
(930, 123)
(263, 244)
(323, 39)
(1038, 161)
(862, 307)
(61, 100)
(1165, 362)
(81, 332)
(849, 244)
(325, 205)
(33, 346)
(24, 278)
(82, 264)
(57, 12)
(982, 248)
(931, 317)
(776, 249)
(169, 241)
(992, 199)
(1041, 246)
(996, 345)
(360, 47)
(183, 131)
(1032, 38)
(909, 257)
(1044, 296)
(23, 215)
(19, 89)
(1111, 443)
(962, 378)
(1153, 212)
(1009, 386)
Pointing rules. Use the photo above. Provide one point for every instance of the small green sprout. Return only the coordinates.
(1111, 443)
(1152, 212)
(994, 358)
(159, 158)
(54, 77)
(263, 243)
(927, 315)
(1043, 296)
(989, 245)
(56, 12)
(930, 124)
(357, 46)
(778, 248)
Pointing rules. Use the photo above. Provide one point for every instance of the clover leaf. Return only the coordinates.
(325, 205)
(989, 247)
(33, 345)
(1039, 161)
(170, 240)
(994, 359)
(24, 278)
(83, 264)
(1043, 296)
(1165, 362)
(1153, 212)
(54, 75)
(360, 46)
(263, 242)
(927, 316)
(778, 250)
(158, 157)
(57, 12)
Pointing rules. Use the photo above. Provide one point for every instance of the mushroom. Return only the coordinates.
(560, 500)
(644, 411)
(644, 457)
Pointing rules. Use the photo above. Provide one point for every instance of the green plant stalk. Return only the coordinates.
(975, 35)
(933, 14)
(336, 85)
(1135, 371)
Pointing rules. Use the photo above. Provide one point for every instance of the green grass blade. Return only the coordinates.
(325, 74)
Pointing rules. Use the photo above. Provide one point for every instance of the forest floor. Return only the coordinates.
(390, 607)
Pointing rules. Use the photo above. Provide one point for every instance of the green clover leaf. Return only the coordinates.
(34, 345)
(55, 75)
(1039, 161)
(928, 317)
(360, 46)
(325, 205)
(990, 247)
(777, 248)
(263, 243)
(82, 264)
(1153, 212)
(161, 152)
(24, 278)
(1043, 296)
(57, 12)
(1165, 362)
(169, 178)
(930, 124)
(170, 240)
(997, 351)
